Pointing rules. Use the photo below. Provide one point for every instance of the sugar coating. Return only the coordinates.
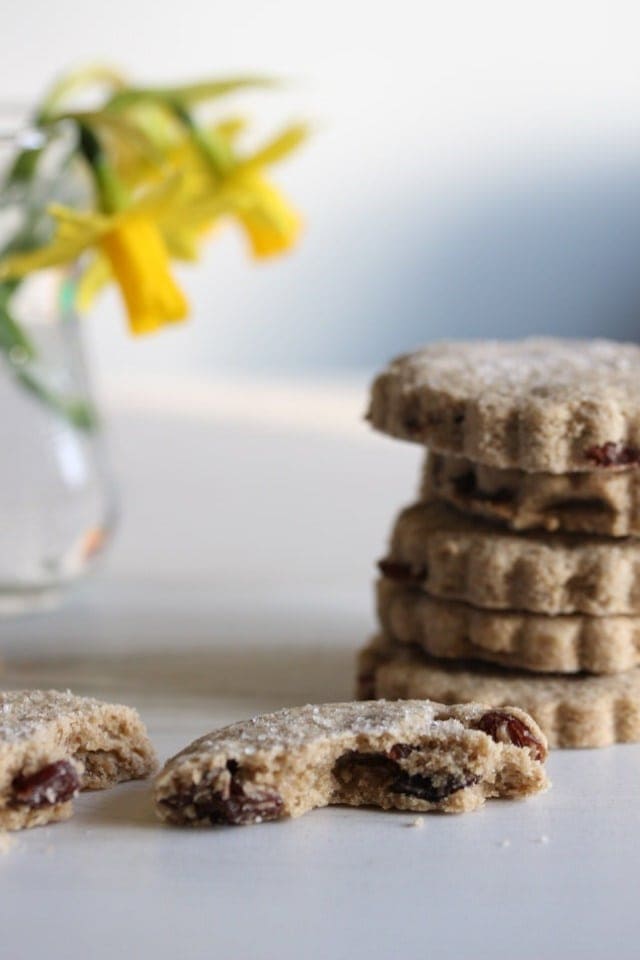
(539, 404)
(301, 726)
(543, 366)
(23, 712)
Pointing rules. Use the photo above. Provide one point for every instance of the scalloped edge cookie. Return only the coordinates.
(417, 756)
(540, 404)
(605, 503)
(456, 557)
(526, 641)
(572, 711)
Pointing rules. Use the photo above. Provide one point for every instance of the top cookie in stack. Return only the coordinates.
(537, 405)
(514, 553)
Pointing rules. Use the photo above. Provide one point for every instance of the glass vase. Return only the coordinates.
(57, 502)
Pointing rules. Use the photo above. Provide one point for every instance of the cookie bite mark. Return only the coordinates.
(418, 756)
(373, 773)
(612, 454)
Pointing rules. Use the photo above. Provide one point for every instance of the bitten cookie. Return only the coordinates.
(603, 502)
(572, 711)
(540, 405)
(408, 756)
(52, 745)
(457, 557)
(529, 641)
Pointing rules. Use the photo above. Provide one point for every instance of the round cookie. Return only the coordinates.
(540, 405)
(572, 711)
(604, 502)
(527, 641)
(457, 557)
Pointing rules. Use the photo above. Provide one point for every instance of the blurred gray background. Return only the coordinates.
(475, 172)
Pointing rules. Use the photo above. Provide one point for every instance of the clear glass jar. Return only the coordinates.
(57, 502)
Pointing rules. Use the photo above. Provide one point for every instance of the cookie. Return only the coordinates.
(53, 745)
(540, 405)
(457, 557)
(600, 502)
(406, 756)
(572, 711)
(529, 641)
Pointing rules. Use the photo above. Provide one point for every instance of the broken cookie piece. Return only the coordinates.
(407, 755)
(52, 745)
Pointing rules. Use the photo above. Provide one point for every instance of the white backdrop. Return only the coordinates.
(475, 169)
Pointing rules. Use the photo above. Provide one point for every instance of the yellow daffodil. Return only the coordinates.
(131, 243)
(139, 261)
(162, 183)
(162, 180)
(271, 223)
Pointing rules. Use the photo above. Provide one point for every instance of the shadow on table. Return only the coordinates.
(287, 673)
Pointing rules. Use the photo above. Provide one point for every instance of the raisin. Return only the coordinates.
(432, 788)
(234, 803)
(241, 807)
(400, 750)
(505, 728)
(613, 455)
(55, 783)
(395, 570)
(412, 424)
(382, 772)
(465, 484)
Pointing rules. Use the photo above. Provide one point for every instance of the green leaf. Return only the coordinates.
(277, 149)
(70, 83)
(188, 94)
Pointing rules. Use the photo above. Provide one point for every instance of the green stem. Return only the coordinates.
(79, 413)
(19, 352)
(113, 196)
(213, 149)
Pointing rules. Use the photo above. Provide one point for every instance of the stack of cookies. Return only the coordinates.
(515, 579)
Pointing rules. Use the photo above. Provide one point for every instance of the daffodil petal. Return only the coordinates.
(271, 223)
(140, 263)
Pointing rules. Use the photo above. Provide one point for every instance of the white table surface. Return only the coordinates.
(239, 581)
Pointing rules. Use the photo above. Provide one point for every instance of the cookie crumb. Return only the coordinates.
(505, 843)
(543, 840)
(416, 822)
